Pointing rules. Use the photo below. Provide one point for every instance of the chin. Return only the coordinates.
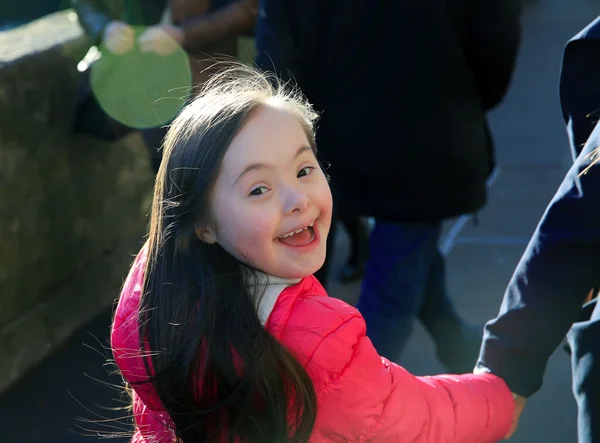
(310, 270)
(302, 271)
(286, 267)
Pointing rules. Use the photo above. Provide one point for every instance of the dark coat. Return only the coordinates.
(403, 88)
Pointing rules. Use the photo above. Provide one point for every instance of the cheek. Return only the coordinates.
(245, 228)
(255, 231)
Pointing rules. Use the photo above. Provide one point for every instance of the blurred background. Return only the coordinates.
(73, 213)
(13, 14)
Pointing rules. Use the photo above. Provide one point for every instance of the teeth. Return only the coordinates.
(297, 231)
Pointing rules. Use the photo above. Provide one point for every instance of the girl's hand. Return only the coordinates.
(519, 406)
(119, 37)
(161, 39)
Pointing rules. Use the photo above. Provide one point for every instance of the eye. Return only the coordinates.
(259, 191)
(305, 171)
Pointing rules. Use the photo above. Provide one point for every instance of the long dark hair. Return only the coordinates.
(219, 374)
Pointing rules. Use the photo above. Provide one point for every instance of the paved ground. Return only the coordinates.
(69, 396)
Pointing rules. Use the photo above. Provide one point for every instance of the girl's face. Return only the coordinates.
(271, 204)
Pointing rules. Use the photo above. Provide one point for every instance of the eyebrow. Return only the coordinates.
(257, 166)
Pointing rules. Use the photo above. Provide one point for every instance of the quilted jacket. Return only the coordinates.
(361, 396)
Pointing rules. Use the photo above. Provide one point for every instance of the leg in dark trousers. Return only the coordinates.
(393, 288)
(404, 280)
(457, 343)
(584, 339)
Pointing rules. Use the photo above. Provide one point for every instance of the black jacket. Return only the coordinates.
(403, 87)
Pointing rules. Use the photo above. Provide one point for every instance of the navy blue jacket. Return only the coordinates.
(562, 261)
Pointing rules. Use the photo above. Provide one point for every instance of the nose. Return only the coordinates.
(295, 200)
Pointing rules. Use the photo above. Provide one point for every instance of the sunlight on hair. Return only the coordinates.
(232, 90)
(594, 157)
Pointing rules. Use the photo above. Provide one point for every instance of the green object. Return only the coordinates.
(246, 48)
(142, 90)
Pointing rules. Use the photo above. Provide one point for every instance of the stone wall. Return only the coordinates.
(72, 209)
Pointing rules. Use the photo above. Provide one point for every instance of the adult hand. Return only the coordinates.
(161, 39)
(519, 406)
(119, 37)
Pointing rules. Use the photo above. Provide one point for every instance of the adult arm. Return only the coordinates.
(545, 295)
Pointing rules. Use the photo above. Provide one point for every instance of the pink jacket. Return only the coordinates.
(361, 396)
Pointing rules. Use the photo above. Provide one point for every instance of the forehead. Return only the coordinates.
(270, 135)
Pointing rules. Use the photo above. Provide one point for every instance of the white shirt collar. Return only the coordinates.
(268, 291)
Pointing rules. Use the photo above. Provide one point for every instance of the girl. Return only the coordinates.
(221, 330)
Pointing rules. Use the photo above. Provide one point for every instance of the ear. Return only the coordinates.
(206, 234)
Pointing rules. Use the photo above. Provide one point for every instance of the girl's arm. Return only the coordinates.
(364, 397)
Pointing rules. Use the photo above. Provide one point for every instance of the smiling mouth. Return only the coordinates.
(297, 231)
(299, 237)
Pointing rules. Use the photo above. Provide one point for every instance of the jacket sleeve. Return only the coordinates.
(367, 398)
(236, 19)
(151, 426)
(92, 17)
(492, 46)
(545, 295)
(152, 423)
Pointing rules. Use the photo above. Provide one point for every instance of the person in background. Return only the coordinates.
(203, 28)
(403, 91)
